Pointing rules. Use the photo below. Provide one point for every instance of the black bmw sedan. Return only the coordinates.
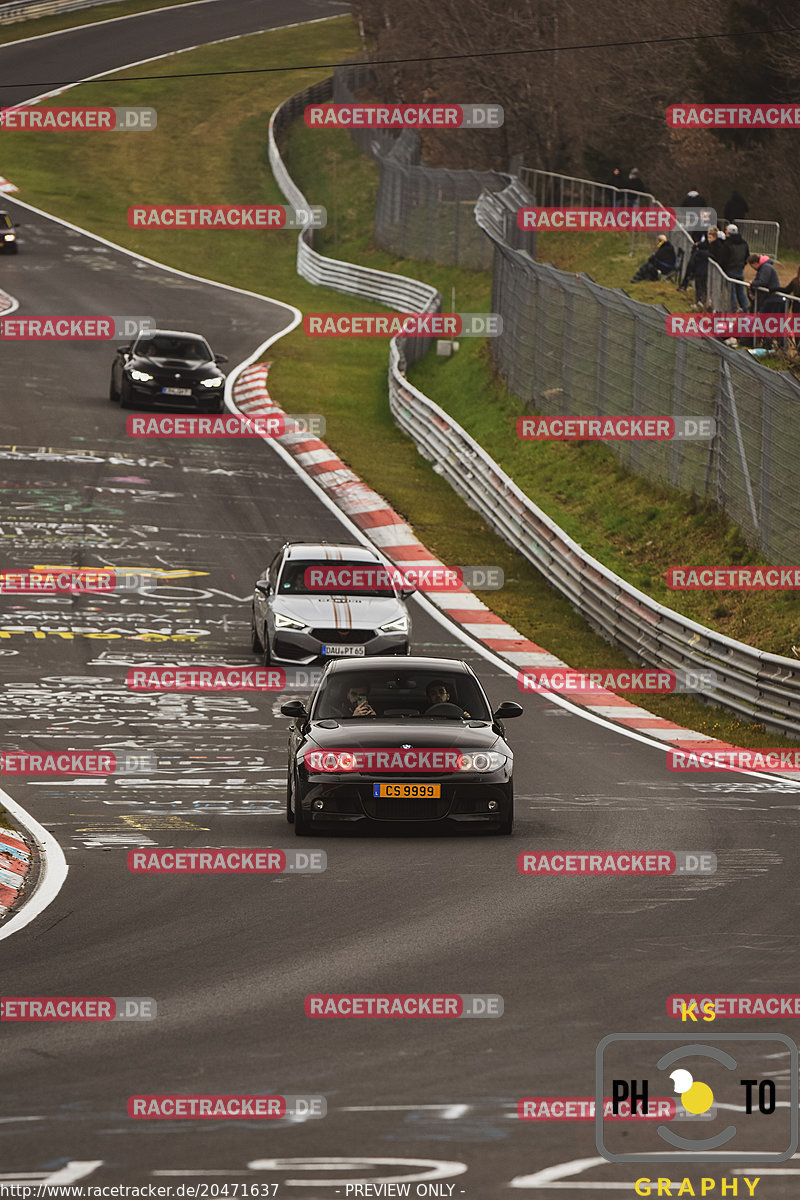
(165, 368)
(399, 741)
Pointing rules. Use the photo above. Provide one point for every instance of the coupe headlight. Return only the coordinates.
(140, 376)
(482, 761)
(211, 382)
(9, 237)
(398, 626)
(282, 622)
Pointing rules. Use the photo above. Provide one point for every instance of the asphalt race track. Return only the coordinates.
(229, 959)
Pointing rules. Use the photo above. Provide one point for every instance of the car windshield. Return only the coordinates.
(164, 346)
(420, 695)
(311, 578)
(5, 221)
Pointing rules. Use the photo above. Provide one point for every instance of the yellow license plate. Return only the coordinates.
(408, 791)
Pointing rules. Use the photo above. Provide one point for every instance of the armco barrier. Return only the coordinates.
(26, 10)
(760, 686)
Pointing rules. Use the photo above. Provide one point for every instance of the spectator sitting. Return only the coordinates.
(736, 207)
(738, 254)
(661, 260)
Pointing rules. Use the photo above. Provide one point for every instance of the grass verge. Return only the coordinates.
(93, 179)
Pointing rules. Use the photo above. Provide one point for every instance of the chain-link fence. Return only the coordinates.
(426, 213)
(572, 347)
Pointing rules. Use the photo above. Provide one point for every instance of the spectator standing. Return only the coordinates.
(736, 208)
(615, 180)
(635, 187)
(738, 254)
(718, 250)
(765, 277)
(698, 271)
(793, 289)
(693, 199)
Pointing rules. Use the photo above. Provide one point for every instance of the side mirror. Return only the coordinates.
(220, 358)
(404, 595)
(124, 349)
(507, 710)
(294, 708)
(263, 587)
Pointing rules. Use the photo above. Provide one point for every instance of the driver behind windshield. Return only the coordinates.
(437, 693)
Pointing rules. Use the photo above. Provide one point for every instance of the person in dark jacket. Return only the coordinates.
(765, 277)
(718, 248)
(738, 254)
(693, 199)
(698, 271)
(792, 288)
(662, 259)
(615, 180)
(634, 185)
(736, 208)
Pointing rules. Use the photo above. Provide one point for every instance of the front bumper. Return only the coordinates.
(302, 647)
(150, 395)
(350, 800)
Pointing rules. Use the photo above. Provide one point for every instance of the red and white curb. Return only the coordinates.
(15, 863)
(397, 540)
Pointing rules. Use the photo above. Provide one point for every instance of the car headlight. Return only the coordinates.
(140, 376)
(211, 382)
(482, 761)
(282, 622)
(9, 237)
(398, 626)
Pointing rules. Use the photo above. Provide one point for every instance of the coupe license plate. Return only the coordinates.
(408, 791)
(339, 651)
(177, 391)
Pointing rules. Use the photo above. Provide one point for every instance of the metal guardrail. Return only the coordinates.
(26, 10)
(757, 685)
